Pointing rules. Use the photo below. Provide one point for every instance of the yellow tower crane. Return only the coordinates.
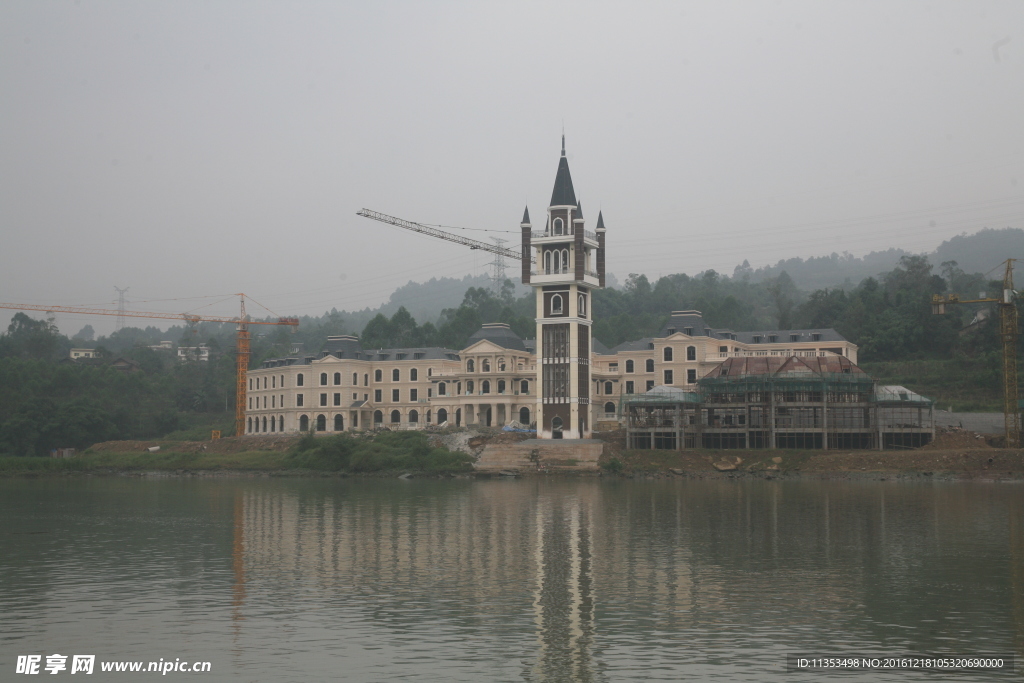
(242, 323)
(1007, 304)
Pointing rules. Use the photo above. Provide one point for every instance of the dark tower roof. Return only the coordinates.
(600, 221)
(579, 209)
(526, 215)
(500, 334)
(563, 194)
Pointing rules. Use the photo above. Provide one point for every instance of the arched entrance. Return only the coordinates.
(321, 423)
(524, 416)
(458, 417)
(378, 418)
(304, 423)
(339, 423)
(556, 428)
(442, 416)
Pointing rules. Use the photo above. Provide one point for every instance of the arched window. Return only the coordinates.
(378, 375)
(469, 387)
(378, 417)
(470, 365)
(565, 260)
(607, 387)
(323, 379)
(501, 386)
(273, 382)
(609, 407)
(414, 417)
(667, 353)
(485, 387)
(556, 427)
(366, 380)
(249, 428)
(442, 416)
(547, 262)
(649, 365)
(524, 416)
(458, 417)
(396, 417)
(355, 379)
(691, 353)
(501, 365)
(524, 387)
(264, 423)
(559, 226)
(395, 375)
(280, 423)
(556, 305)
(339, 423)
(337, 378)
(414, 375)
(629, 366)
(304, 423)
(299, 380)
(582, 305)
(273, 424)
(442, 389)
(321, 423)
(485, 365)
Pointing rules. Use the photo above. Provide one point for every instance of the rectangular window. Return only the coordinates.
(723, 349)
(668, 377)
(337, 399)
(394, 396)
(556, 380)
(757, 339)
(323, 399)
(691, 376)
(355, 397)
(430, 392)
(378, 395)
(650, 384)
(629, 387)
(298, 400)
(414, 394)
(815, 336)
(555, 341)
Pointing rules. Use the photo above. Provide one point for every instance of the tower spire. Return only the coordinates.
(563, 143)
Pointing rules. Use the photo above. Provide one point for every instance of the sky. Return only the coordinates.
(192, 150)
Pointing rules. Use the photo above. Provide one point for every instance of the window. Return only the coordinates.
(299, 380)
(250, 384)
(668, 377)
(378, 375)
(629, 366)
(430, 372)
(547, 262)
(607, 387)
(667, 354)
(524, 387)
(273, 382)
(485, 365)
(650, 384)
(395, 375)
(470, 365)
(249, 428)
(428, 417)
(366, 380)
(264, 382)
(413, 375)
(772, 338)
(501, 386)
(524, 416)
(794, 337)
(355, 379)
(442, 416)
(273, 401)
(321, 423)
(815, 336)
(264, 401)
(395, 396)
(485, 387)
(378, 395)
(469, 387)
(282, 386)
(688, 331)
(442, 389)
(559, 226)
(649, 366)
(323, 399)
(304, 423)
(355, 396)
(337, 378)
(337, 399)
(250, 403)
(609, 407)
(339, 423)
(298, 400)
(396, 417)
(691, 353)
(556, 305)
(414, 394)
(565, 260)
(414, 417)
(582, 305)
(757, 339)
(430, 392)
(723, 349)
(323, 379)
(629, 387)
(501, 365)
(691, 376)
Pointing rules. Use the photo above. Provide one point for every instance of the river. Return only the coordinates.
(548, 579)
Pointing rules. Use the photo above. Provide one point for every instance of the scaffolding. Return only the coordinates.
(843, 410)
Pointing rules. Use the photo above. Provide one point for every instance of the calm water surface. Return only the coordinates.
(517, 580)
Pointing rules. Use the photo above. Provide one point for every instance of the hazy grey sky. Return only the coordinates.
(189, 149)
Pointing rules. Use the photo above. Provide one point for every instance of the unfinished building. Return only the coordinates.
(823, 402)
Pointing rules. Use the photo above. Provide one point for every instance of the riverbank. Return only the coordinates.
(954, 456)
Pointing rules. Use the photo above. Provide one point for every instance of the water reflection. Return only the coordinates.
(536, 580)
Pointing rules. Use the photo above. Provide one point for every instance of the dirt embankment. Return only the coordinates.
(232, 444)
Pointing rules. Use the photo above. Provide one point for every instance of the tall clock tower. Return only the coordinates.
(568, 266)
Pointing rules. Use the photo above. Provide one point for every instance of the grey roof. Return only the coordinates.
(563, 194)
(824, 334)
(579, 209)
(420, 353)
(531, 345)
(638, 345)
(526, 215)
(599, 348)
(680, 321)
(600, 221)
(343, 346)
(500, 334)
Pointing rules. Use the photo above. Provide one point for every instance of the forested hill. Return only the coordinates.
(976, 253)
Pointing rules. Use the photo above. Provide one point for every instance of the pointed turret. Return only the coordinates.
(526, 216)
(600, 220)
(527, 251)
(563, 194)
(579, 211)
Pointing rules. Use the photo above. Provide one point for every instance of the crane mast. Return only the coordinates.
(440, 234)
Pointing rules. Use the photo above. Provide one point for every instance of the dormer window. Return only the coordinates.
(671, 330)
(794, 337)
(757, 339)
(772, 338)
(815, 337)
(558, 226)
(688, 331)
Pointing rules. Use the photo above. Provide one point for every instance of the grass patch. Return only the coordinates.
(388, 451)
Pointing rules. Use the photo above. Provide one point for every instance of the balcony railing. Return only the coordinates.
(543, 233)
